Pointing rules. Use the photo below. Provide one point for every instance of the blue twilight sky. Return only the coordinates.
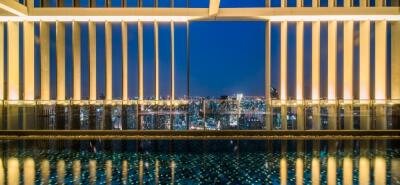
(226, 57)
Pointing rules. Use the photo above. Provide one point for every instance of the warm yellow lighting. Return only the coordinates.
(96, 18)
(11, 10)
(334, 18)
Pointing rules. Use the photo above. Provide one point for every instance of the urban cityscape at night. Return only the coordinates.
(199, 92)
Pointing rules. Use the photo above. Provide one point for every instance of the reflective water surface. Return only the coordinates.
(199, 162)
(246, 114)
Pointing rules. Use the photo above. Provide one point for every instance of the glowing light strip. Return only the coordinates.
(272, 18)
(95, 18)
(334, 18)
(11, 10)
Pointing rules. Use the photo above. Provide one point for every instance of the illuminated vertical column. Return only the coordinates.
(124, 174)
(299, 56)
(92, 171)
(124, 30)
(29, 61)
(380, 60)
(332, 59)
(380, 3)
(348, 163)
(108, 43)
(44, 61)
(365, 117)
(13, 60)
(156, 61)
(364, 61)
(300, 163)
(283, 61)
(140, 60)
(2, 61)
(2, 172)
(364, 165)
(316, 60)
(283, 170)
(348, 28)
(379, 170)
(76, 171)
(300, 117)
(12, 171)
(92, 61)
(332, 117)
(76, 43)
(60, 49)
(380, 117)
(172, 60)
(316, 117)
(44, 171)
(395, 57)
(316, 164)
(331, 163)
(108, 171)
(29, 171)
(348, 117)
(268, 109)
(60, 171)
(395, 170)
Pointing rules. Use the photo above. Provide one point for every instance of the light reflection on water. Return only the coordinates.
(200, 162)
(201, 115)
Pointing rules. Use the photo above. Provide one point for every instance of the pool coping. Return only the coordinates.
(200, 134)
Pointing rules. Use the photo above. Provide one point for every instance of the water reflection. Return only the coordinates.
(200, 162)
(201, 115)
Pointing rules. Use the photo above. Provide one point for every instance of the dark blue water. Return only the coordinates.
(199, 162)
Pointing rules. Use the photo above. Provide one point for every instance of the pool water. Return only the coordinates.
(199, 162)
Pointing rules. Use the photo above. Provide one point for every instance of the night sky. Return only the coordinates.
(226, 57)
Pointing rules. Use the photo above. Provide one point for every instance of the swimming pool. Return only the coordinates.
(200, 161)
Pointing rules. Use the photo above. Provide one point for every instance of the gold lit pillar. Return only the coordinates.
(364, 165)
(316, 117)
(29, 61)
(331, 163)
(348, 117)
(92, 61)
(108, 43)
(156, 62)
(395, 57)
(316, 60)
(76, 171)
(300, 117)
(172, 60)
(380, 60)
(348, 28)
(60, 49)
(268, 102)
(332, 60)
(76, 42)
(332, 117)
(380, 117)
(283, 92)
(140, 60)
(44, 61)
(92, 171)
(348, 163)
(29, 171)
(13, 60)
(2, 61)
(124, 30)
(365, 117)
(12, 171)
(60, 171)
(315, 163)
(364, 61)
(299, 56)
(44, 171)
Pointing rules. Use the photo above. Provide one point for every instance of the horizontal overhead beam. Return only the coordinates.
(12, 8)
(185, 14)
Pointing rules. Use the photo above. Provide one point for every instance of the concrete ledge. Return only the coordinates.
(193, 135)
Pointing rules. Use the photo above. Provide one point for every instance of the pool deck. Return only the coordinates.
(200, 134)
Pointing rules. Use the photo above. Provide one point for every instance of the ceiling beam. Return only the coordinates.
(13, 8)
(213, 8)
